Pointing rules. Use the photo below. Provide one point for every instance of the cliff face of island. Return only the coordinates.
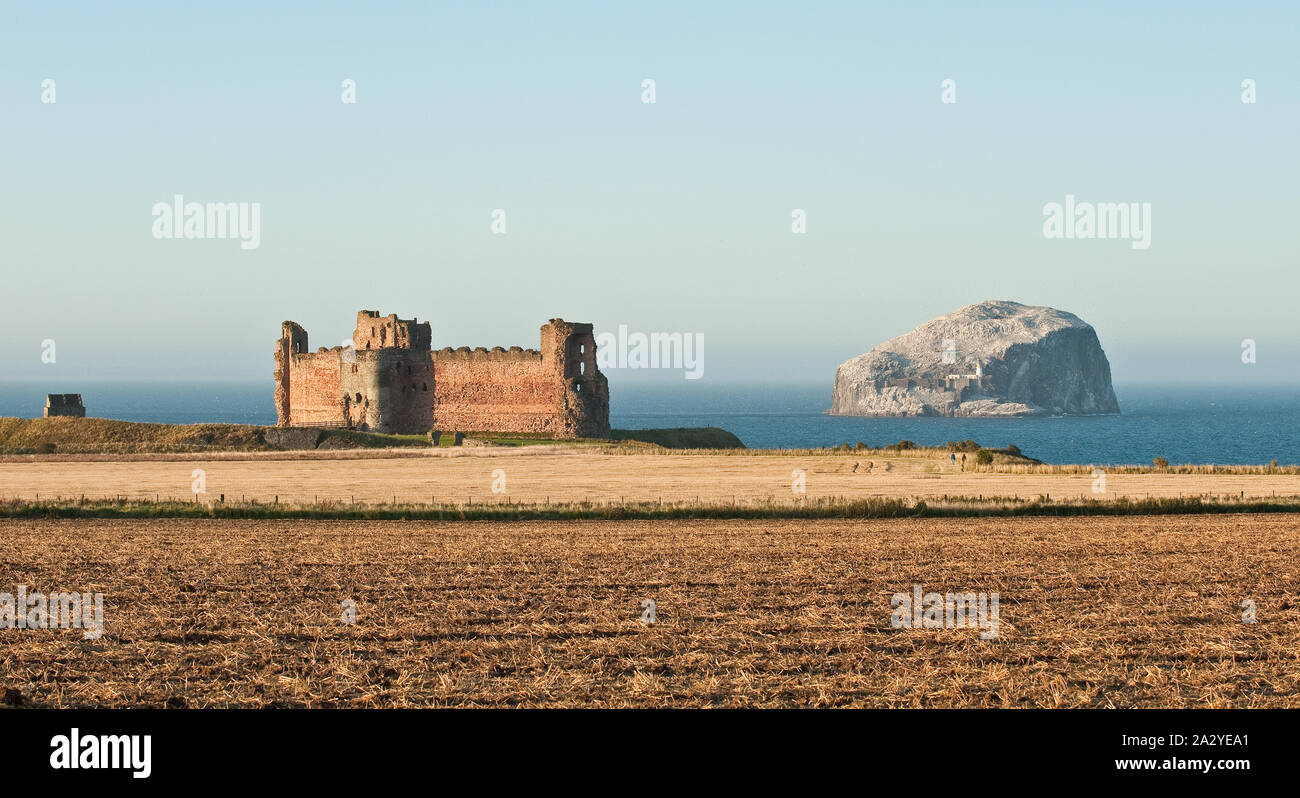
(987, 359)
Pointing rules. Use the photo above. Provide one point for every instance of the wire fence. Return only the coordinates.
(611, 500)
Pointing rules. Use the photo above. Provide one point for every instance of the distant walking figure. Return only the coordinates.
(963, 462)
(953, 457)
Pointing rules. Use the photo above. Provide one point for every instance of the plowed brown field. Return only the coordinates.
(1098, 612)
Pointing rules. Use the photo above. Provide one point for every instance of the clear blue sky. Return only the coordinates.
(666, 217)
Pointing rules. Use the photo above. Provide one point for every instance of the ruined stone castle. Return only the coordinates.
(391, 380)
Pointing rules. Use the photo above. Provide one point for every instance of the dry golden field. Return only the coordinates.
(539, 474)
(1094, 612)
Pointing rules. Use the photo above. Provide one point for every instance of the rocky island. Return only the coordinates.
(993, 358)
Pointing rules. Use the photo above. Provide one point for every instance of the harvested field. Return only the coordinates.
(1094, 612)
(544, 474)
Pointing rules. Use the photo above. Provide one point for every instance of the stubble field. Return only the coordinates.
(1093, 612)
(541, 476)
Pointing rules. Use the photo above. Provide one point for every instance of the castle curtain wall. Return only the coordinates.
(495, 391)
(314, 389)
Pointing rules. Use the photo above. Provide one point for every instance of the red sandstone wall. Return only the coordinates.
(498, 390)
(314, 390)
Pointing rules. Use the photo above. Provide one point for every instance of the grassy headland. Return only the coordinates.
(108, 436)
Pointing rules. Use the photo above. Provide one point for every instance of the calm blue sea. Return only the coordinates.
(1229, 424)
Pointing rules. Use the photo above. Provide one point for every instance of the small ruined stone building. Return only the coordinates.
(64, 404)
(391, 380)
